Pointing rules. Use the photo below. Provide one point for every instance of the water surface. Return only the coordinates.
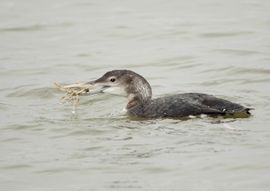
(216, 47)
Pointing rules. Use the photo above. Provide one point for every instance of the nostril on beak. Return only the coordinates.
(106, 86)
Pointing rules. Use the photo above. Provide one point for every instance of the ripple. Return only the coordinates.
(85, 132)
(20, 126)
(154, 170)
(13, 140)
(255, 81)
(238, 52)
(16, 166)
(45, 92)
(223, 68)
(23, 28)
(3, 106)
(224, 34)
(56, 170)
(95, 148)
(256, 71)
(33, 28)
(125, 184)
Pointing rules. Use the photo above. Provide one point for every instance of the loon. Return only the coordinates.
(140, 103)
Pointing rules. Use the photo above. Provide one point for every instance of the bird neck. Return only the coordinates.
(139, 92)
(137, 100)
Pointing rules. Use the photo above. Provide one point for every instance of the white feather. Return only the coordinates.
(116, 90)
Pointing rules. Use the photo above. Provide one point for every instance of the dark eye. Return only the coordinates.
(112, 79)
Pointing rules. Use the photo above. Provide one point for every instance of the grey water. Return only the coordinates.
(212, 46)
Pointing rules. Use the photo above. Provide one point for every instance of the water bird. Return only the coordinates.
(141, 104)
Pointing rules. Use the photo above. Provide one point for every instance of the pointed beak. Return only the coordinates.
(97, 87)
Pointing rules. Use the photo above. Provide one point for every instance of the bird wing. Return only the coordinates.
(177, 106)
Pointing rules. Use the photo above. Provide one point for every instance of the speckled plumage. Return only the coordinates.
(140, 102)
(183, 105)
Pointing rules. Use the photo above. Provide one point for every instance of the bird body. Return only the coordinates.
(140, 103)
(187, 104)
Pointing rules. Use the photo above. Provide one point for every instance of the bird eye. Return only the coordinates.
(112, 79)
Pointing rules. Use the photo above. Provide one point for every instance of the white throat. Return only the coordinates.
(116, 90)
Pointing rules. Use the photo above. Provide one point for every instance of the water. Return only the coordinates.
(216, 47)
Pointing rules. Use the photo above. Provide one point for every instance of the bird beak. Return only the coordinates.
(96, 87)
